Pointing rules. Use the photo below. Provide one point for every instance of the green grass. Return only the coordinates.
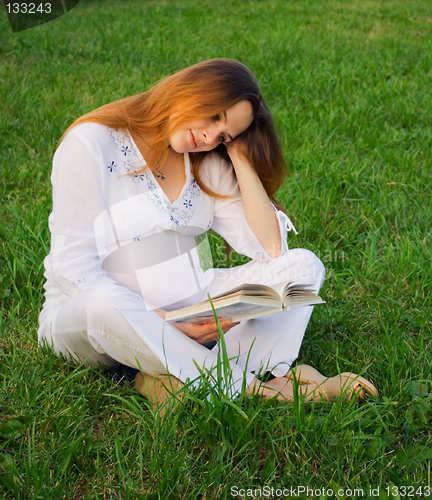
(349, 85)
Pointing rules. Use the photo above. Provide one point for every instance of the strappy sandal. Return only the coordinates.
(330, 387)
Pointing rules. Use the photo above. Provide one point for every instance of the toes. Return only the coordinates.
(359, 392)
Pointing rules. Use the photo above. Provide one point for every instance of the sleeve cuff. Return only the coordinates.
(285, 225)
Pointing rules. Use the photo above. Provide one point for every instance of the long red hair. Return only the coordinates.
(199, 92)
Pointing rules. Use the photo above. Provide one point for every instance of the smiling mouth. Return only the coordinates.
(193, 142)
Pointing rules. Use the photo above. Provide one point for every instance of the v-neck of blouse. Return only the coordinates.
(186, 163)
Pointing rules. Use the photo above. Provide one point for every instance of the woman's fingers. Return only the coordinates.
(214, 334)
(204, 332)
(228, 328)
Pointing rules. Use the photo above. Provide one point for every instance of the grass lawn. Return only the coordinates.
(349, 83)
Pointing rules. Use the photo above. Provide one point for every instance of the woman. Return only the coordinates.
(134, 182)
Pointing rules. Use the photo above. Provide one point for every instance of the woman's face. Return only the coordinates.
(204, 135)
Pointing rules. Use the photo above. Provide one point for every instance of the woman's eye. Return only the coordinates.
(216, 118)
(222, 139)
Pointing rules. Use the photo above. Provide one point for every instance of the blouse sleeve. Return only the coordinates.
(78, 199)
(229, 219)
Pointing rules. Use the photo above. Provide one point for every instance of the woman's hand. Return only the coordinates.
(205, 332)
(236, 151)
(201, 333)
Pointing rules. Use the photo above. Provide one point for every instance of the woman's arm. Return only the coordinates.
(259, 212)
(78, 199)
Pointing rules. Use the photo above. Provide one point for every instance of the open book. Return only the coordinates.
(248, 301)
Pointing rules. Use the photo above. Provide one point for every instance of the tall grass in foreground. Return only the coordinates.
(349, 85)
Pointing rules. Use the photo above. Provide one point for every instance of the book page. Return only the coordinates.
(239, 311)
(297, 293)
(249, 289)
(235, 308)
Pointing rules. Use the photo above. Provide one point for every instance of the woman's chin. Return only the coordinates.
(177, 149)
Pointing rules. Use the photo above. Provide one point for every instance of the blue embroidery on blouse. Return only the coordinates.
(123, 143)
(137, 177)
(177, 217)
(129, 165)
(150, 185)
(112, 166)
(181, 211)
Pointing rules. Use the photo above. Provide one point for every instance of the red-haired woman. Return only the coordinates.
(134, 182)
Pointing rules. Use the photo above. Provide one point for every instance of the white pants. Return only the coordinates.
(110, 324)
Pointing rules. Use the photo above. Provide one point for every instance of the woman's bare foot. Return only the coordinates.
(346, 383)
(282, 389)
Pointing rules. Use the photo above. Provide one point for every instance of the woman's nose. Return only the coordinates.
(210, 135)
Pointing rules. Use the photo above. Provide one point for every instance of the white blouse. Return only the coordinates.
(111, 223)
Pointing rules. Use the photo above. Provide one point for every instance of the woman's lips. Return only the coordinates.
(193, 141)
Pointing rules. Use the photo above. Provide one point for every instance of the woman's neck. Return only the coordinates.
(144, 147)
